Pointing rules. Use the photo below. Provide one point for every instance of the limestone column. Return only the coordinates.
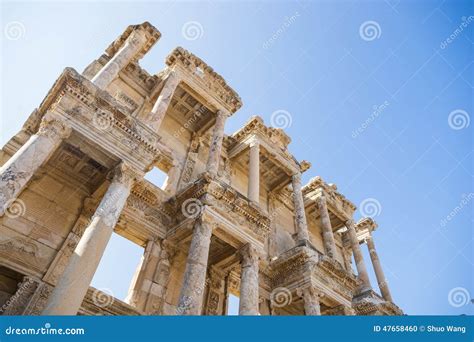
(300, 215)
(72, 286)
(18, 170)
(312, 306)
(382, 282)
(216, 143)
(254, 172)
(249, 300)
(359, 259)
(192, 291)
(120, 60)
(328, 235)
(155, 117)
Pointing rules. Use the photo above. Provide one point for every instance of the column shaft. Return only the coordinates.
(382, 282)
(300, 215)
(254, 173)
(192, 291)
(216, 143)
(248, 304)
(18, 170)
(359, 259)
(73, 284)
(120, 60)
(328, 235)
(157, 114)
(312, 306)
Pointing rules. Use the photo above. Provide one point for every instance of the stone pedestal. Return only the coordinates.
(215, 147)
(72, 286)
(157, 114)
(328, 235)
(120, 60)
(192, 292)
(249, 286)
(254, 172)
(310, 297)
(19, 169)
(358, 258)
(382, 282)
(300, 215)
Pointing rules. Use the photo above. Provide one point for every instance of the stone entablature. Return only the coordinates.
(97, 116)
(337, 202)
(200, 75)
(227, 202)
(302, 267)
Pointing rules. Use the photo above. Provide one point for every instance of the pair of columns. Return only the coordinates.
(192, 291)
(379, 274)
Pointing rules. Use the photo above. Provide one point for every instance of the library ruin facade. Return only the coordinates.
(233, 216)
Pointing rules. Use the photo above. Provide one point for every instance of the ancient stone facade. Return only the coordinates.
(232, 218)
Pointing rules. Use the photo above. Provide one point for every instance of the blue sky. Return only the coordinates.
(383, 112)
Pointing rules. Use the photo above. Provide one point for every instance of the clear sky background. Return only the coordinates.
(410, 158)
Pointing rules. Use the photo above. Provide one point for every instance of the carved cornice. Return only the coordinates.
(214, 82)
(255, 125)
(318, 187)
(370, 303)
(96, 113)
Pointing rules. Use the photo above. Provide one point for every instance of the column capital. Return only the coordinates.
(125, 174)
(350, 223)
(223, 113)
(309, 290)
(249, 255)
(53, 126)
